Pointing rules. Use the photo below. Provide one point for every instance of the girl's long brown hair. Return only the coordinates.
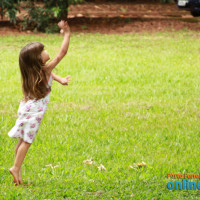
(33, 77)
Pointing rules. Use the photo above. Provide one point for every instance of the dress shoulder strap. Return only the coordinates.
(50, 80)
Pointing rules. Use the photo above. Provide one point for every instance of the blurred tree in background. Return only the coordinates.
(9, 7)
(41, 15)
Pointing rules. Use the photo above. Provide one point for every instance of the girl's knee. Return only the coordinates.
(28, 144)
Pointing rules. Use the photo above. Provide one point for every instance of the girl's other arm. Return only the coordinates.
(63, 81)
(63, 49)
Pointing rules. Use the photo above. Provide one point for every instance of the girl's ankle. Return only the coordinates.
(15, 168)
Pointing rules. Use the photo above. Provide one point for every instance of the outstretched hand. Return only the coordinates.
(66, 80)
(63, 25)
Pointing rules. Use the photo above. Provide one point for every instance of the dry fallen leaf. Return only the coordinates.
(142, 164)
(92, 162)
(138, 165)
(132, 195)
(89, 162)
(101, 167)
(79, 15)
(97, 7)
(50, 165)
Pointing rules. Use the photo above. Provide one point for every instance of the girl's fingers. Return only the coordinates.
(61, 24)
(68, 79)
(66, 23)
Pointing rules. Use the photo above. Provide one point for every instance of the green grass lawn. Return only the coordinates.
(132, 98)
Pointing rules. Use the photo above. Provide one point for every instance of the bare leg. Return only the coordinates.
(17, 146)
(21, 153)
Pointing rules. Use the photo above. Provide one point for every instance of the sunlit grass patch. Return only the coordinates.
(133, 99)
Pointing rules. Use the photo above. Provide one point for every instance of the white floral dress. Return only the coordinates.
(30, 115)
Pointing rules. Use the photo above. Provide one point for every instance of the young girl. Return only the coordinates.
(37, 79)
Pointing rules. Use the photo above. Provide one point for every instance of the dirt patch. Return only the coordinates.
(123, 18)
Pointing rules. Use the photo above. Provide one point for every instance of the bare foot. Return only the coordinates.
(15, 175)
(20, 178)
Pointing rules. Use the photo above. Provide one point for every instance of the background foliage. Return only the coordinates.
(9, 7)
(41, 15)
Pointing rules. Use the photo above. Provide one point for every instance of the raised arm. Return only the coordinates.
(63, 81)
(63, 49)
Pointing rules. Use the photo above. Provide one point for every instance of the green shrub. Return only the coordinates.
(43, 18)
(9, 7)
(38, 18)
